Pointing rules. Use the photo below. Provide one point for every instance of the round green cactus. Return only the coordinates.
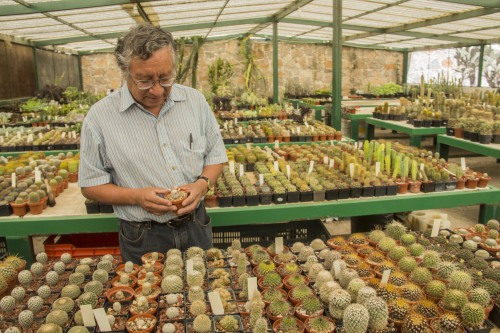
(52, 278)
(376, 235)
(44, 291)
(36, 269)
(63, 303)
(301, 292)
(198, 307)
(229, 323)
(42, 258)
(71, 290)
(378, 313)
(311, 306)
(78, 329)
(49, 328)
(397, 252)
(25, 319)
(88, 298)
(173, 270)
(408, 239)
(445, 269)
(435, 289)
(105, 265)
(448, 323)
(430, 259)
(8, 304)
(82, 268)
(407, 264)
(473, 315)
(416, 249)
(354, 287)
(202, 324)
(25, 277)
(356, 318)
(18, 293)
(58, 317)
(427, 308)
(195, 278)
(305, 253)
(398, 309)
(100, 275)
(460, 280)
(421, 275)
(469, 245)
(35, 304)
(411, 292)
(280, 307)
(94, 286)
(346, 275)
(386, 243)
(77, 278)
(59, 267)
(172, 284)
(481, 296)
(453, 300)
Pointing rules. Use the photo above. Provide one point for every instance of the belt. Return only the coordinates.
(176, 222)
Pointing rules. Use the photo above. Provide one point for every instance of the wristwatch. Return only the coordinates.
(205, 179)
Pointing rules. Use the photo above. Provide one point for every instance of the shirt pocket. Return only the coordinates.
(199, 145)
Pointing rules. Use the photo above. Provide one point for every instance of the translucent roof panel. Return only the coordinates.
(410, 22)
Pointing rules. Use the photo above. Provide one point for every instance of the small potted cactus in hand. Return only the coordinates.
(177, 196)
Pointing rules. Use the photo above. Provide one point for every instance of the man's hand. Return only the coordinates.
(151, 199)
(196, 191)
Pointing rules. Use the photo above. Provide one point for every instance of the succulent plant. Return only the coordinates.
(326, 290)
(415, 323)
(421, 275)
(195, 251)
(44, 291)
(411, 292)
(395, 230)
(35, 304)
(481, 296)
(25, 277)
(473, 315)
(320, 324)
(448, 323)
(49, 328)
(338, 302)
(460, 280)
(398, 309)
(195, 278)
(356, 318)
(407, 264)
(482, 254)
(88, 298)
(346, 275)
(435, 289)
(408, 239)
(172, 284)
(94, 286)
(66, 258)
(58, 317)
(82, 268)
(105, 265)
(280, 307)
(100, 275)
(78, 329)
(376, 235)
(202, 324)
(427, 308)
(18, 293)
(430, 259)
(198, 307)
(36, 269)
(59, 267)
(388, 292)
(76, 278)
(52, 278)
(42, 258)
(311, 305)
(63, 303)
(378, 312)
(453, 300)
(260, 326)
(305, 252)
(386, 243)
(465, 254)
(8, 304)
(25, 319)
(416, 249)
(354, 287)
(229, 323)
(493, 224)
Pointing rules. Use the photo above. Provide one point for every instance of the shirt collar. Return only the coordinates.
(177, 94)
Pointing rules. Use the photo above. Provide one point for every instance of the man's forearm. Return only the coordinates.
(110, 194)
(212, 172)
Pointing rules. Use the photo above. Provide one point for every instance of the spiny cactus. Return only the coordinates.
(196, 293)
(398, 309)
(388, 292)
(386, 243)
(435, 289)
(172, 284)
(395, 230)
(356, 318)
(376, 235)
(379, 313)
(338, 302)
(430, 259)
(202, 324)
(364, 294)
(326, 290)
(280, 307)
(195, 278)
(94, 286)
(35, 304)
(8, 304)
(473, 315)
(194, 251)
(427, 308)
(311, 306)
(84, 269)
(59, 267)
(323, 277)
(481, 296)
(25, 277)
(305, 252)
(78, 329)
(88, 298)
(44, 292)
(460, 280)
(421, 275)
(58, 317)
(453, 300)
(397, 252)
(346, 275)
(105, 265)
(71, 290)
(173, 270)
(416, 249)
(408, 239)
(42, 258)
(18, 293)
(229, 323)
(49, 328)
(66, 258)
(493, 224)
(411, 292)
(320, 324)
(52, 278)
(63, 303)
(415, 323)
(445, 269)
(36, 269)
(407, 264)
(354, 287)
(448, 323)
(198, 307)
(76, 278)
(398, 278)
(260, 326)
(25, 319)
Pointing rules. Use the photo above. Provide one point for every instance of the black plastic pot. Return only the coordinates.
(450, 131)
(332, 194)
(496, 138)
(225, 201)
(368, 191)
(107, 209)
(427, 187)
(265, 199)
(485, 139)
(252, 200)
(384, 116)
(376, 115)
(344, 193)
(292, 197)
(92, 207)
(319, 195)
(355, 192)
(6, 210)
(392, 190)
(279, 198)
(436, 123)
(474, 136)
(488, 326)
(466, 135)
(427, 123)
(306, 196)
(417, 123)
(439, 186)
(380, 191)
(451, 184)
(238, 200)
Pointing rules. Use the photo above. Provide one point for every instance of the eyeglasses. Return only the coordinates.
(148, 84)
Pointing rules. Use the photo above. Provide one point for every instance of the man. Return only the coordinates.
(147, 138)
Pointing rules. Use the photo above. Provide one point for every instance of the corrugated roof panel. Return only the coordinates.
(452, 27)
(105, 23)
(369, 23)
(56, 35)
(41, 30)
(390, 20)
(190, 33)
(97, 17)
(7, 3)
(429, 30)
(118, 10)
(22, 17)
(269, 8)
(186, 6)
(441, 6)
(426, 41)
(477, 22)
(406, 10)
(358, 4)
(27, 23)
(238, 29)
(172, 22)
(116, 28)
(237, 16)
(483, 34)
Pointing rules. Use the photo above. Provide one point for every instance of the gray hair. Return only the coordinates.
(141, 42)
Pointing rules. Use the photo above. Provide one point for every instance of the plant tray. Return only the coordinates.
(265, 234)
(3, 247)
(82, 245)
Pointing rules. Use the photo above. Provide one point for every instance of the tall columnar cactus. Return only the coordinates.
(356, 318)
(378, 312)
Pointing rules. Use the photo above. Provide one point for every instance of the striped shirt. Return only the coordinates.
(123, 144)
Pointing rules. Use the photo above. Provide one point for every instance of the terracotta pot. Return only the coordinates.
(483, 181)
(19, 209)
(302, 316)
(73, 177)
(155, 291)
(121, 269)
(459, 133)
(211, 201)
(129, 294)
(414, 187)
(36, 208)
(142, 278)
(133, 318)
(260, 282)
(148, 257)
(403, 188)
(471, 183)
(460, 184)
(300, 324)
(288, 286)
(178, 202)
(314, 331)
(115, 282)
(338, 135)
(153, 307)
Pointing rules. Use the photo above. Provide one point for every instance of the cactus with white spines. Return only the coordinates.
(25, 319)
(35, 304)
(8, 304)
(36, 269)
(88, 298)
(322, 277)
(473, 315)
(421, 275)
(66, 258)
(481, 296)
(356, 318)
(430, 259)
(260, 326)
(354, 287)
(44, 291)
(63, 303)
(94, 286)
(71, 290)
(13, 329)
(195, 251)
(172, 312)
(314, 270)
(202, 324)
(52, 278)
(173, 270)
(58, 317)
(78, 329)
(105, 265)
(59, 267)
(172, 284)
(364, 294)
(100, 275)
(42, 258)
(25, 277)
(338, 302)
(453, 300)
(198, 307)
(326, 290)
(346, 275)
(378, 312)
(435, 289)
(196, 293)
(18, 293)
(76, 278)
(460, 280)
(49, 328)
(82, 268)
(195, 278)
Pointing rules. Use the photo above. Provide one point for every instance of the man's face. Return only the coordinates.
(159, 66)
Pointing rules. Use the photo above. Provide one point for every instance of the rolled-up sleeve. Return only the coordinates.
(216, 152)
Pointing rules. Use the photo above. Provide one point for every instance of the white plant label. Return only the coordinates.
(462, 163)
(40, 135)
(278, 244)
(312, 128)
(311, 166)
(298, 130)
(288, 171)
(38, 175)
(29, 139)
(189, 266)
(102, 320)
(252, 286)
(74, 134)
(351, 169)
(216, 303)
(235, 121)
(276, 144)
(336, 268)
(249, 145)
(242, 171)
(4, 159)
(385, 277)
(268, 151)
(421, 166)
(332, 163)
(63, 135)
(275, 166)
(240, 130)
(261, 179)
(225, 125)
(231, 167)
(307, 124)
(18, 134)
(48, 126)
(377, 168)
(2, 140)
(87, 315)
(325, 160)
(435, 227)
(13, 177)
(66, 125)
(25, 118)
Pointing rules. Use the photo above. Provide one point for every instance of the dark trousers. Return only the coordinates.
(138, 238)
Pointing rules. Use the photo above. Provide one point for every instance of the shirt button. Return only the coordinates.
(173, 168)
(165, 145)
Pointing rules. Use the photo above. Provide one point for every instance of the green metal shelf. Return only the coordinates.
(444, 142)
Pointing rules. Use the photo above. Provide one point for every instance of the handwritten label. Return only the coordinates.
(298, 130)
(385, 277)
(38, 175)
(216, 303)
(231, 167)
(377, 168)
(63, 135)
(336, 268)
(435, 227)
(242, 171)
(240, 130)
(278, 244)
(276, 144)
(189, 266)
(87, 315)
(261, 179)
(102, 320)
(252, 286)
(462, 163)
(288, 171)
(311, 166)
(275, 166)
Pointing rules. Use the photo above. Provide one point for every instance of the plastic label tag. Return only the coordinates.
(63, 135)
(385, 277)
(435, 227)
(331, 142)
(462, 163)
(261, 179)
(240, 130)
(249, 145)
(276, 144)
(351, 169)
(18, 134)
(225, 125)
(278, 244)
(74, 134)
(275, 165)
(307, 125)
(29, 139)
(242, 171)
(298, 130)
(87, 315)
(311, 166)
(332, 163)
(40, 135)
(25, 118)
(336, 268)
(48, 126)
(38, 175)
(216, 303)
(252, 286)
(325, 160)
(189, 266)
(421, 166)
(231, 167)
(4, 159)
(288, 171)
(377, 168)
(66, 125)
(102, 320)
(13, 177)
(235, 121)
(312, 128)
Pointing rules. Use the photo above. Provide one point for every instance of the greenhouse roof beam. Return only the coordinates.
(53, 6)
(457, 45)
(482, 3)
(375, 10)
(429, 22)
(280, 15)
(217, 19)
(141, 11)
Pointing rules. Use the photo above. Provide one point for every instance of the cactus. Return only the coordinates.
(492, 273)
(71, 290)
(469, 245)
(356, 318)
(76, 278)
(338, 302)
(395, 230)
(415, 323)
(326, 290)
(435, 289)
(49, 328)
(58, 317)
(411, 292)
(427, 308)
(481, 296)
(448, 323)
(172, 284)
(314, 269)
(198, 307)
(323, 277)
(25, 319)
(66, 258)
(398, 309)
(78, 329)
(280, 308)
(44, 292)
(430, 259)
(35, 304)
(8, 304)
(59, 267)
(88, 298)
(196, 293)
(305, 253)
(52, 278)
(460, 280)
(378, 313)
(84, 269)
(265, 266)
(421, 275)
(194, 251)
(453, 300)
(388, 292)
(42, 258)
(320, 324)
(445, 269)
(416, 249)
(473, 315)
(202, 324)
(229, 323)
(168, 328)
(397, 252)
(376, 235)
(195, 278)
(271, 280)
(386, 243)
(311, 306)
(24, 277)
(407, 264)
(18, 293)
(346, 275)
(354, 287)
(63, 303)
(174, 259)
(465, 255)
(95, 287)
(493, 224)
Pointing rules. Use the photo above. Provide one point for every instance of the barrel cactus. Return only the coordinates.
(77, 278)
(453, 300)
(49, 328)
(421, 275)
(94, 286)
(338, 302)
(58, 317)
(42, 258)
(398, 309)
(415, 323)
(407, 264)
(378, 313)
(100, 275)
(473, 315)
(66, 258)
(198, 307)
(445, 269)
(24, 277)
(448, 323)
(36, 269)
(25, 319)
(435, 289)
(8, 304)
(82, 268)
(356, 318)
(88, 298)
(71, 290)
(18, 293)
(52, 278)
(460, 280)
(481, 296)
(44, 292)
(105, 265)
(35, 304)
(202, 324)
(78, 329)
(59, 267)
(63, 303)
(430, 259)
(172, 284)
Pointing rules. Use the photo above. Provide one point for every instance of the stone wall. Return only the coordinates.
(300, 66)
